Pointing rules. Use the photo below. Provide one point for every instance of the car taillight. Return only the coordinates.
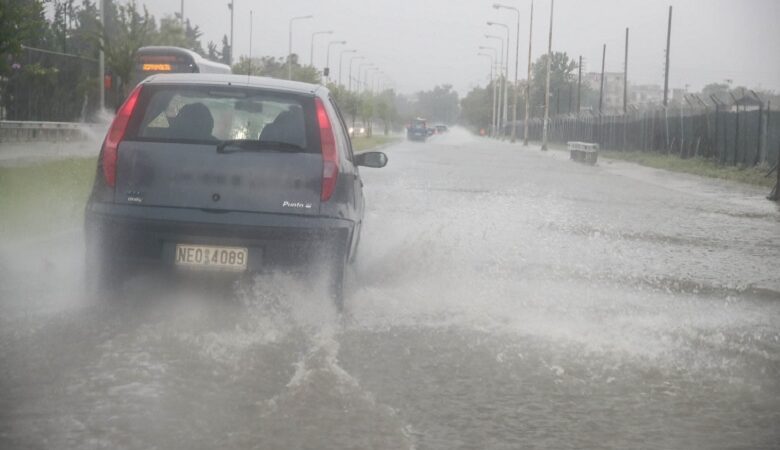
(330, 157)
(115, 135)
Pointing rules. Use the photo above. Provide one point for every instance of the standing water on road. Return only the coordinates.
(502, 298)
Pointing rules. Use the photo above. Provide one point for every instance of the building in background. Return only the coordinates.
(613, 89)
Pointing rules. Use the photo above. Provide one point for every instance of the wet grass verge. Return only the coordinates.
(44, 198)
(696, 166)
(705, 167)
(362, 144)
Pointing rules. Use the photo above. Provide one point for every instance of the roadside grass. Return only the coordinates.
(696, 166)
(45, 197)
(704, 167)
(361, 144)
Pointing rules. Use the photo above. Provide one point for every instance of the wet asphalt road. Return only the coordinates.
(503, 298)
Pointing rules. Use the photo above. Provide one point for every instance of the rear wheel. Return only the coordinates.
(103, 276)
(335, 263)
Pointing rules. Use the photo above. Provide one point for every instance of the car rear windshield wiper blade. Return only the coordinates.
(243, 145)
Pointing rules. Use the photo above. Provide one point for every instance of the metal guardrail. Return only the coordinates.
(24, 125)
(24, 131)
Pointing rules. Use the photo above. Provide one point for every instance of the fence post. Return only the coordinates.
(760, 146)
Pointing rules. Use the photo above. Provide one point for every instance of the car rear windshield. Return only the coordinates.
(214, 114)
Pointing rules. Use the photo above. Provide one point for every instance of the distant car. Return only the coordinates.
(225, 173)
(441, 128)
(417, 130)
(431, 131)
(358, 130)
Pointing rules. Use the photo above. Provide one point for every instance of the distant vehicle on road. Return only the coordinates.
(163, 59)
(358, 130)
(441, 128)
(417, 130)
(225, 173)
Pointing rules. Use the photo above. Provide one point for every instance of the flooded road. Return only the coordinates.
(503, 298)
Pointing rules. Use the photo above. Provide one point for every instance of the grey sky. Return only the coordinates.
(423, 43)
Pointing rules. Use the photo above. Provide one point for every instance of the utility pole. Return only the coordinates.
(579, 85)
(666, 68)
(528, 80)
(601, 89)
(232, 7)
(625, 78)
(181, 13)
(102, 57)
(547, 82)
(249, 73)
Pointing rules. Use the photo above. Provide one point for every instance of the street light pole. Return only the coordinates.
(501, 79)
(289, 45)
(492, 63)
(547, 82)
(528, 80)
(249, 59)
(374, 75)
(327, 55)
(517, 60)
(311, 51)
(232, 7)
(505, 112)
(361, 77)
(349, 80)
(341, 62)
(102, 58)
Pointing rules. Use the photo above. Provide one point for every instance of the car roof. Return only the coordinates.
(237, 80)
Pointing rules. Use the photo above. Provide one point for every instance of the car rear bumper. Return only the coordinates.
(147, 235)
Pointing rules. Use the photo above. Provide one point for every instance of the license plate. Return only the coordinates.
(211, 257)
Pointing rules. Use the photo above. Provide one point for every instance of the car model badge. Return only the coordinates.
(134, 197)
(296, 205)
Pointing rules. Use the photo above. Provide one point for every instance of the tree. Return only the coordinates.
(172, 33)
(385, 109)
(562, 70)
(476, 107)
(134, 29)
(211, 52)
(269, 66)
(439, 104)
(226, 52)
(21, 21)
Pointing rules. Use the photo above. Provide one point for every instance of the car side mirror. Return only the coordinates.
(376, 160)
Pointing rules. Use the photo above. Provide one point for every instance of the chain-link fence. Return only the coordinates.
(730, 135)
(49, 86)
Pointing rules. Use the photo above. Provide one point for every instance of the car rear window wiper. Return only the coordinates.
(248, 145)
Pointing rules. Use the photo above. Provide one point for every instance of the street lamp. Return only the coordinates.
(361, 78)
(327, 55)
(501, 79)
(506, 68)
(492, 63)
(368, 83)
(289, 44)
(349, 81)
(231, 7)
(341, 62)
(517, 59)
(547, 80)
(311, 52)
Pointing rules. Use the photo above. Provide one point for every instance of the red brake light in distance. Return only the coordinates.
(330, 157)
(115, 135)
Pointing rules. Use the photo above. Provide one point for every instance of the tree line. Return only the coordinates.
(48, 67)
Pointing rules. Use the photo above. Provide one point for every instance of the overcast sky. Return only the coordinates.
(421, 43)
